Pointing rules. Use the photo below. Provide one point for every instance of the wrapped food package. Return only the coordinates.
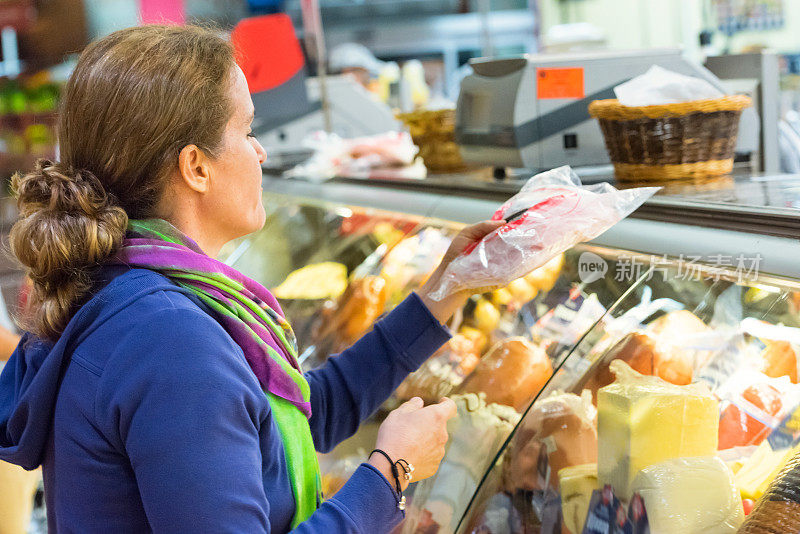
(409, 263)
(780, 359)
(643, 420)
(476, 435)
(659, 350)
(551, 213)
(562, 424)
(352, 315)
(326, 280)
(690, 496)
(17, 488)
(778, 510)
(511, 373)
(446, 369)
(577, 484)
(742, 421)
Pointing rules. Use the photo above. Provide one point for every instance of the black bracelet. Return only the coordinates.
(407, 469)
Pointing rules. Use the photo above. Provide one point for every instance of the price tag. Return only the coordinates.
(560, 83)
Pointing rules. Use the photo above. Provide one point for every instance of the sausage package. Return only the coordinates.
(551, 213)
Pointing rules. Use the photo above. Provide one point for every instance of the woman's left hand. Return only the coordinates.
(445, 308)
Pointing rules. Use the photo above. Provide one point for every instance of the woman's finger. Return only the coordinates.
(410, 405)
(482, 229)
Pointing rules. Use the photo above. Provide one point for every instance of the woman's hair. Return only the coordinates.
(134, 100)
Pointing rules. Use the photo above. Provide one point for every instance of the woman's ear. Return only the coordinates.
(194, 169)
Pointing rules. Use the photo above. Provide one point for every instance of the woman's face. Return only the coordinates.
(235, 191)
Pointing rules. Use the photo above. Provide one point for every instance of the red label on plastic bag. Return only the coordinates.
(560, 83)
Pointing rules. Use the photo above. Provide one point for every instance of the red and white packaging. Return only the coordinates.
(551, 213)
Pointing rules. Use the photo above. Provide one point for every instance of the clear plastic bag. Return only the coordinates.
(551, 213)
(690, 496)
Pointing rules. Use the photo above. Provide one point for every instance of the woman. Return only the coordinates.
(159, 388)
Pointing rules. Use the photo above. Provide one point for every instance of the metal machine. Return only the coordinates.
(532, 111)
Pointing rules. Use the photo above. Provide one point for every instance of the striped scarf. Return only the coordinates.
(253, 318)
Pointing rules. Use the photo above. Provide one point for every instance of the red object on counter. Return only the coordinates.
(738, 428)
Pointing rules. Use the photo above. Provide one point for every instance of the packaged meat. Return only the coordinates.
(743, 420)
(690, 496)
(446, 369)
(780, 359)
(666, 348)
(778, 510)
(511, 373)
(643, 420)
(564, 425)
(780, 347)
(476, 435)
(551, 213)
(408, 264)
(352, 315)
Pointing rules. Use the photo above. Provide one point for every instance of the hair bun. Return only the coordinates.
(68, 225)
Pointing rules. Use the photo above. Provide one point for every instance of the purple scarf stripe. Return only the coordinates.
(259, 326)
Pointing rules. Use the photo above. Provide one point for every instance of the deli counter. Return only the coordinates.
(659, 360)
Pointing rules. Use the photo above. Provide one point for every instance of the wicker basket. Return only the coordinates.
(433, 131)
(689, 140)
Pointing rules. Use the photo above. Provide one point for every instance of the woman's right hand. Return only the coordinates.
(417, 434)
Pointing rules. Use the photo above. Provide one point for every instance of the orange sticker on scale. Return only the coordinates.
(560, 83)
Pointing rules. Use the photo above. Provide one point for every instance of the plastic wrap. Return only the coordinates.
(666, 348)
(446, 369)
(408, 264)
(476, 434)
(511, 373)
(753, 406)
(347, 319)
(778, 510)
(643, 420)
(577, 485)
(551, 213)
(690, 496)
(661, 86)
(562, 424)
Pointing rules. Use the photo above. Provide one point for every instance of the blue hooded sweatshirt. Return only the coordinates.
(146, 417)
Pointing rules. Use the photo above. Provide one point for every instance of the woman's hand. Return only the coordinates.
(445, 308)
(415, 434)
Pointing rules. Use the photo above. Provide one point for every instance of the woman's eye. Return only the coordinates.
(250, 134)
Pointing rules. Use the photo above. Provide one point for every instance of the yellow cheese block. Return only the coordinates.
(643, 420)
(760, 469)
(17, 488)
(577, 484)
(690, 496)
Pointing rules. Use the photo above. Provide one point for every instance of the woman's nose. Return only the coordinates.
(262, 154)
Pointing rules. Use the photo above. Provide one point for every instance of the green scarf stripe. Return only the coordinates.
(304, 480)
(136, 225)
(255, 308)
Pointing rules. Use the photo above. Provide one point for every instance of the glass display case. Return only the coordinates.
(639, 368)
